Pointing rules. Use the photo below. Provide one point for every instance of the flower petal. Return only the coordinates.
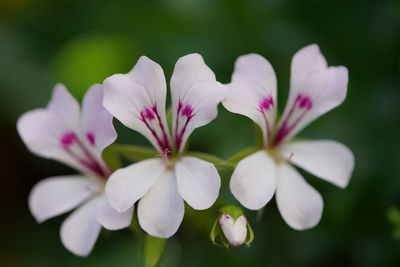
(127, 185)
(298, 202)
(137, 99)
(253, 91)
(80, 230)
(253, 181)
(315, 89)
(195, 97)
(57, 195)
(329, 160)
(111, 219)
(198, 182)
(96, 120)
(161, 210)
(65, 107)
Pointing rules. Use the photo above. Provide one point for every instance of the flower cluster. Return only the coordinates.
(159, 186)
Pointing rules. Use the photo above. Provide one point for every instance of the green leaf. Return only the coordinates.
(232, 161)
(153, 250)
(111, 158)
(133, 153)
(393, 215)
(250, 235)
(215, 230)
(232, 210)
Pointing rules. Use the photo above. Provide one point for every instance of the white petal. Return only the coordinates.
(298, 202)
(127, 185)
(234, 231)
(111, 219)
(65, 107)
(127, 96)
(253, 83)
(198, 182)
(161, 210)
(96, 120)
(329, 160)
(195, 97)
(57, 195)
(80, 230)
(253, 181)
(324, 87)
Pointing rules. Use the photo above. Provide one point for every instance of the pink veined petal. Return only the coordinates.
(41, 131)
(329, 160)
(253, 92)
(198, 182)
(315, 89)
(127, 185)
(111, 219)
(253, 181)
(57, 195)
(195, 97)
(65, 107)
(137, 99)
(161, 210)
(80, 230)
(298, 202)
(97, 124)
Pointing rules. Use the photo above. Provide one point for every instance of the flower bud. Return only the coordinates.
(231, 228)
(234, 231)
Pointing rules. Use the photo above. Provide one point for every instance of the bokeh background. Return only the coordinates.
(82, 42)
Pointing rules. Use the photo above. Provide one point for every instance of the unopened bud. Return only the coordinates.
(234, 231)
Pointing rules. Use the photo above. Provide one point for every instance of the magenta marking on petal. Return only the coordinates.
(183, 110)
(302, 104)
(149, 114)
(265, 106)
(72, 145)
(90, 137)
(68, 139)
(187, 111)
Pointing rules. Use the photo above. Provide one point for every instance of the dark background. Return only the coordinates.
(80, 43)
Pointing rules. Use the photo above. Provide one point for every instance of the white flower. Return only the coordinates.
(235, 231)
(138, 99)
(315, 89)
(77, 138)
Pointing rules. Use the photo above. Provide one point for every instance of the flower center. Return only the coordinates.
(184, 114)
(79, 152)
(151, 118)
(302, 104)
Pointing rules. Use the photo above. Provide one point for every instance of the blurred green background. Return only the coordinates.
(80, 43)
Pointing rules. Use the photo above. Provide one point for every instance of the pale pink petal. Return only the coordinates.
(97, 124)
(80, 230)
(253, 92)
(137, 99)
(253, 181)
(161, 210)
(111, 219)
(315, 89)
(329, 160)
(57, 195)
(198, 182)
(195, 97)
(298, 202)
(127, 185)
